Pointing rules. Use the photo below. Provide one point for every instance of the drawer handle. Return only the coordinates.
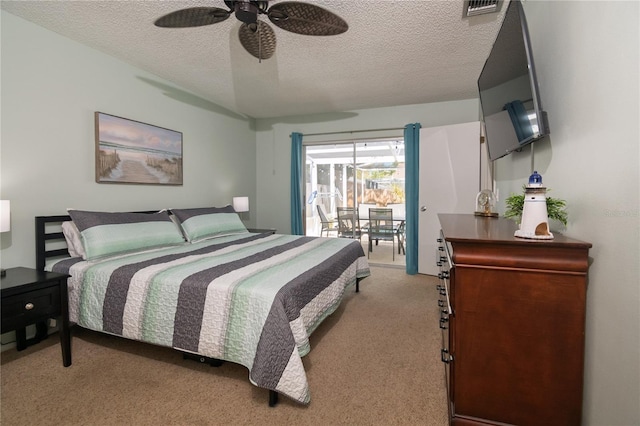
(445, 356)
(29, 306)
(443, 322)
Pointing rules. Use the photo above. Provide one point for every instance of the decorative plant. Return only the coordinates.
(555, 208)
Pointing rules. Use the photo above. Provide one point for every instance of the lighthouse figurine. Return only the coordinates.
(535, 222)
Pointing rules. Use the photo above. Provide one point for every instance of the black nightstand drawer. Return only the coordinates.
(30, 297)
(27, 308)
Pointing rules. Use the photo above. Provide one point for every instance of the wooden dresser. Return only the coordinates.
(513, 320)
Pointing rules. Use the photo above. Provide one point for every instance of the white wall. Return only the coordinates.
(274, 144)
(51, 87)
(587, 60)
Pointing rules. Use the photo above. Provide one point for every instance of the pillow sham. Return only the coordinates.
(74, 242)
(105, 234)
(209, 222)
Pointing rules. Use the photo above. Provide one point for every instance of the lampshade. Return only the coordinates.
(241, 204)
(5, 215)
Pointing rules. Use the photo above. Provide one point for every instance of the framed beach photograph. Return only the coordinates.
(132, 152)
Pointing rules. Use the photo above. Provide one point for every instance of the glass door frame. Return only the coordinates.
(355, 144)
(305, 182)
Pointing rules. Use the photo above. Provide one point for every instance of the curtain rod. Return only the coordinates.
(351, 131)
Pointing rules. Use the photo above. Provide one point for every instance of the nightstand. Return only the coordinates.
(32, 297)
(262, 230)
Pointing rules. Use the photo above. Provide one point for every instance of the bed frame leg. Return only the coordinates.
(214, 362)
(357, 285)
(273, 398)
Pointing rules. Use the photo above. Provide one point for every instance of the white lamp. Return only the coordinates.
(5, 215)
(241, 204)
(5, 222)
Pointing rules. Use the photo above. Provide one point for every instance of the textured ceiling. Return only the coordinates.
(399, 52)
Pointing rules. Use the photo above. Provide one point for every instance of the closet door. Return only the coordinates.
(449, 182)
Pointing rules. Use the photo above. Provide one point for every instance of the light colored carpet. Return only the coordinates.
(384, 254)
(375, 361)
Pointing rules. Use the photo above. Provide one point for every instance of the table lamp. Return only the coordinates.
(5, 222)
(241, 205)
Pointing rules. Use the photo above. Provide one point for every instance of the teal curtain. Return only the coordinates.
(296, 184)
(412, 181)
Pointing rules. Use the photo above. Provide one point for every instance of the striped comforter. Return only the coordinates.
(252, 299)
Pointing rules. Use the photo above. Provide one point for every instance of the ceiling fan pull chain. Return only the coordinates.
(259, 44)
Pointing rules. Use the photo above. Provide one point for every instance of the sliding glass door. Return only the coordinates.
(354, 174)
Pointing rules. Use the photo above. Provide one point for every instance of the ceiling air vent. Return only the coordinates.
(479, 7)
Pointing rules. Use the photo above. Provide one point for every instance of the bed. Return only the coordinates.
(198, 281)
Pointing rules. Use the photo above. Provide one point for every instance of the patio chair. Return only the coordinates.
(381, 228)
(327, 224)
(348, 223)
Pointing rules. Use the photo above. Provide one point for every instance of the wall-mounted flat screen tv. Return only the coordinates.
(509, 98)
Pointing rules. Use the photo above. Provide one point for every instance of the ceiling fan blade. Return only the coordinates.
(306, 18)
(258, 39)
(193, 17)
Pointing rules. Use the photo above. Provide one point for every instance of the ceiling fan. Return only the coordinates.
(256, 36)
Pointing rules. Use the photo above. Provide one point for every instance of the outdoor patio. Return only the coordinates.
(366, 176)
(382, 254)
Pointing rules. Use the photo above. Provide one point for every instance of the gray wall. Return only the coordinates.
(51, 87)
(274, 144)
(587, 61)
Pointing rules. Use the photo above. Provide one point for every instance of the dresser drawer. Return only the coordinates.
(27, 308)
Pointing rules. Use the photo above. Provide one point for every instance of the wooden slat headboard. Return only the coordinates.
(43, 235)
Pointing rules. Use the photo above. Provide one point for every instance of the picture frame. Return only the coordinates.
(132, 152)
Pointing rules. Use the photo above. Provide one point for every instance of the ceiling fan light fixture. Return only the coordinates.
(246, 12)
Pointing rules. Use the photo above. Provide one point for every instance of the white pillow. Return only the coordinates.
(74, 243)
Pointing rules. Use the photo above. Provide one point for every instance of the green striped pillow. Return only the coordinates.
(105, 234)
(209, 222)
